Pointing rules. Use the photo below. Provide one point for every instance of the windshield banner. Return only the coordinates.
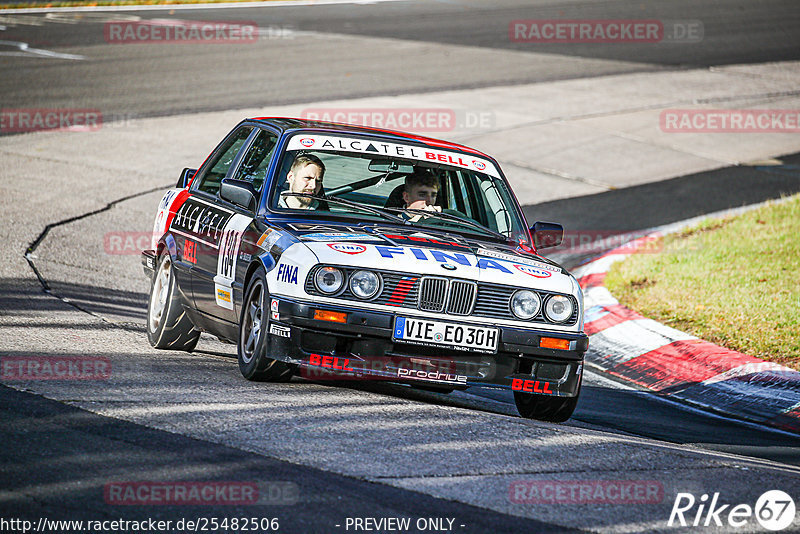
(381, 148)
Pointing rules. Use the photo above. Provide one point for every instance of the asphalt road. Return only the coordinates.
(169, 417)
(412, 47)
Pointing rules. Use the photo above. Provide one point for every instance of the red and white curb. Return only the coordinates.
(626, 345)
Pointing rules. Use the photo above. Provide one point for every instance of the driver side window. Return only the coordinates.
(223, 160)
(254, 164)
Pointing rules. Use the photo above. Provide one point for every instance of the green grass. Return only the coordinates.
(734, 282)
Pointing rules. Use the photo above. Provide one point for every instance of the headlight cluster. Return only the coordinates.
(363, 284)
(525, 304)
(558, 308)
(329, 280)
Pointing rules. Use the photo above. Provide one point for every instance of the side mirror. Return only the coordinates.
(238, 192)
(186, 177)
(547, 235)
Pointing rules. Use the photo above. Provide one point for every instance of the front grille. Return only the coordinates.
(440, 294)
(462, 297)
(432, 293)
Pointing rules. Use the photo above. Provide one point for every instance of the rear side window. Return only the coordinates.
(222, 160)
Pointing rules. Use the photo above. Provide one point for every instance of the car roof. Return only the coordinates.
(288, 124)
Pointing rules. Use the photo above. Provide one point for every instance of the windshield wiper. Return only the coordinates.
(369, 209)
(447, 216)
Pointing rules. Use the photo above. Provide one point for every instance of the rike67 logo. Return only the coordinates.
(774, 510)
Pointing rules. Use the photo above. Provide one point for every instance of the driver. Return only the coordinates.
(305, 176)
(421, 190)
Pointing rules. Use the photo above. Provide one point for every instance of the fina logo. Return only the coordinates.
(287, 273)
(347, 248)
(306, 142)
(533, 271)
(479, 165)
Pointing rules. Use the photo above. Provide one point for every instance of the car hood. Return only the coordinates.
(417, 250)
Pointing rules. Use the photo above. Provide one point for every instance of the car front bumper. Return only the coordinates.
(363, 348)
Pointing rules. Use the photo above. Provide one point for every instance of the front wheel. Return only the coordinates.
(254, 333)
(168, 326)
(552, 409)
(544, 408)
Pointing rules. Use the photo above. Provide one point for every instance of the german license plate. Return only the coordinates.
(456, 336)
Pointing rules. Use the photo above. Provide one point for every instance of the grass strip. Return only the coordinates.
(733, 281)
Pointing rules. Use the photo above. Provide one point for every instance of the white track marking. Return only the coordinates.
(177, 7)
(65, 17)
(26, 50)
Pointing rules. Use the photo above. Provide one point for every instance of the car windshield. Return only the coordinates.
(447, 190)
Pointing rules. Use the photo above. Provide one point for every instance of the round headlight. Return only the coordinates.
(558, 308)
(525, 304)
(329, 280)
(365, 284)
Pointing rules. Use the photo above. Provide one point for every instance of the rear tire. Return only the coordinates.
(168, 326)
(254, 334)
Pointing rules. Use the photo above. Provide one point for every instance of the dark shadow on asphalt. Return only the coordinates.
(630, 412)
(57, 461)
(642, 414)
(18, 295)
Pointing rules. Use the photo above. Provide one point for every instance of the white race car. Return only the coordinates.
(334, 251)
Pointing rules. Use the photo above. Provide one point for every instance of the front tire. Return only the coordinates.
(552, 409)
(545, 408)
(254, 334)
(168, 326)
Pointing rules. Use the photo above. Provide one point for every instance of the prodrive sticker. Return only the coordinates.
(381, 148)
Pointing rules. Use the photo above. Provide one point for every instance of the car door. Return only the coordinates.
(223, 224)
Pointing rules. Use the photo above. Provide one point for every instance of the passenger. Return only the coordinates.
(305, 176)
(421, 190)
